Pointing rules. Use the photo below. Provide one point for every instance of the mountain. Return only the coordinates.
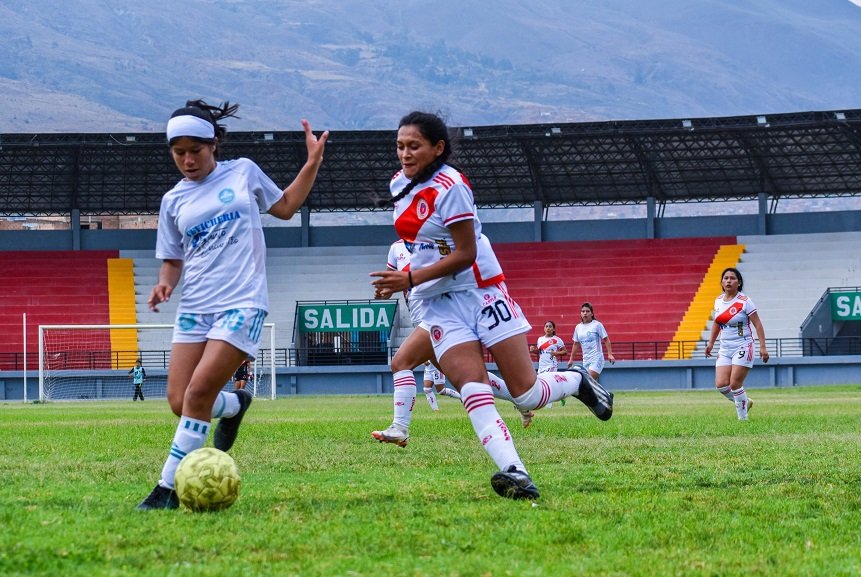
(121, 66)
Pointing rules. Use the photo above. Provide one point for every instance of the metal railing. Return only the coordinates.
(377, 355)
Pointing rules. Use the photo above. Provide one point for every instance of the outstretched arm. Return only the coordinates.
(296, 193)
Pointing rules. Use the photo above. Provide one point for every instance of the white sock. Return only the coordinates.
(727, 392)
(447, 392)
(225, 405)
(431, 398)
(500, 389)
(404, 398)
(489, 426)
(549, 387)
(190, 435)
(740, 402)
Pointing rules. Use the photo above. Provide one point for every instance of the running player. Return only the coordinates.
(591, 336)
(455, 273)
(734, 313)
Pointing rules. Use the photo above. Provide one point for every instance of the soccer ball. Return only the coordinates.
(207, 480)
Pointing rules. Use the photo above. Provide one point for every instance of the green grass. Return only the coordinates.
(673, 485)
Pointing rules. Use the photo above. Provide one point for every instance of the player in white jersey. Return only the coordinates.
(591, 336)
(434, 380)
(417, 348)
(734, 314)
(209, 225)
(455, 273)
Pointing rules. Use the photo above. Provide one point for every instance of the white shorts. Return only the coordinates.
(416, 312)
(239, 327)
(487, 315)
(596, 365)
(433, 374)
(740, 357)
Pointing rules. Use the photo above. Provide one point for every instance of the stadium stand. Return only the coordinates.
(785, 275)
(640, 288)
(293, 274)
(51, 287)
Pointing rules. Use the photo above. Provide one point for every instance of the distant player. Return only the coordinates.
(550, 348)
(591, 336)
(240, 377)
(734, 314)
(138, 374)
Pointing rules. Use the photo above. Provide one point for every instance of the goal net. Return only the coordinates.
(95, 362)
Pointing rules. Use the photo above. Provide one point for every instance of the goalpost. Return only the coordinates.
(92, 362)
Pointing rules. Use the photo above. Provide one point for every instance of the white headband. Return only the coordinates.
(187, 125)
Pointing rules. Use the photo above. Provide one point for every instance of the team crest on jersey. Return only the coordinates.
(422, 209)
(733, 310)
(226, 195)
(436, 333)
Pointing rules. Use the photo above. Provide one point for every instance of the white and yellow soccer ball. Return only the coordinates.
(207, 480)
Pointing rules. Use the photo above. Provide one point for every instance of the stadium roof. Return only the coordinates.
(620, 162)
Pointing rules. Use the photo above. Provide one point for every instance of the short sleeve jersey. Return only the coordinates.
(547, 345)
(214, 227)
(590, 336)
(733, 318)
(422, 219)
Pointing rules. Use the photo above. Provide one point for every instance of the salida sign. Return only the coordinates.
(366, 316)
(846, 306)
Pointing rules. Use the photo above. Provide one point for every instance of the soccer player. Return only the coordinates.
(590, 335)
(209, 226)
(549, 348)
(138, 374)
(734, 313)
(240, 377)
(456, 275)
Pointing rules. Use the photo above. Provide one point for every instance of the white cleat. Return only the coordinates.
(394, 435)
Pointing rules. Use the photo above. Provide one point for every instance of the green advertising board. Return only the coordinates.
(846, 306)
(340, 317)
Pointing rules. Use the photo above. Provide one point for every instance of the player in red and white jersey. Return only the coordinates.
(734, 313)
(549, 348)
(466, 303)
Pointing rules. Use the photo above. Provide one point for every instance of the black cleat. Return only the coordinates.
(228, 427)
(160, 498)
(514, 484)
(593, 395)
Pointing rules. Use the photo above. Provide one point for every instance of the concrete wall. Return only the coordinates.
(623, 376)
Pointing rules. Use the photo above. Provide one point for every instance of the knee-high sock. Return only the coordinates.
(190, 435)
(549, 387)
(225, 405)
(404, 398)
(741, 402)
(500, 389)
(489, 426)
(727, 392)
(431, 397)
(447, 392)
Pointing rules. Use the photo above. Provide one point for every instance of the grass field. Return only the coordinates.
(673, 485)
